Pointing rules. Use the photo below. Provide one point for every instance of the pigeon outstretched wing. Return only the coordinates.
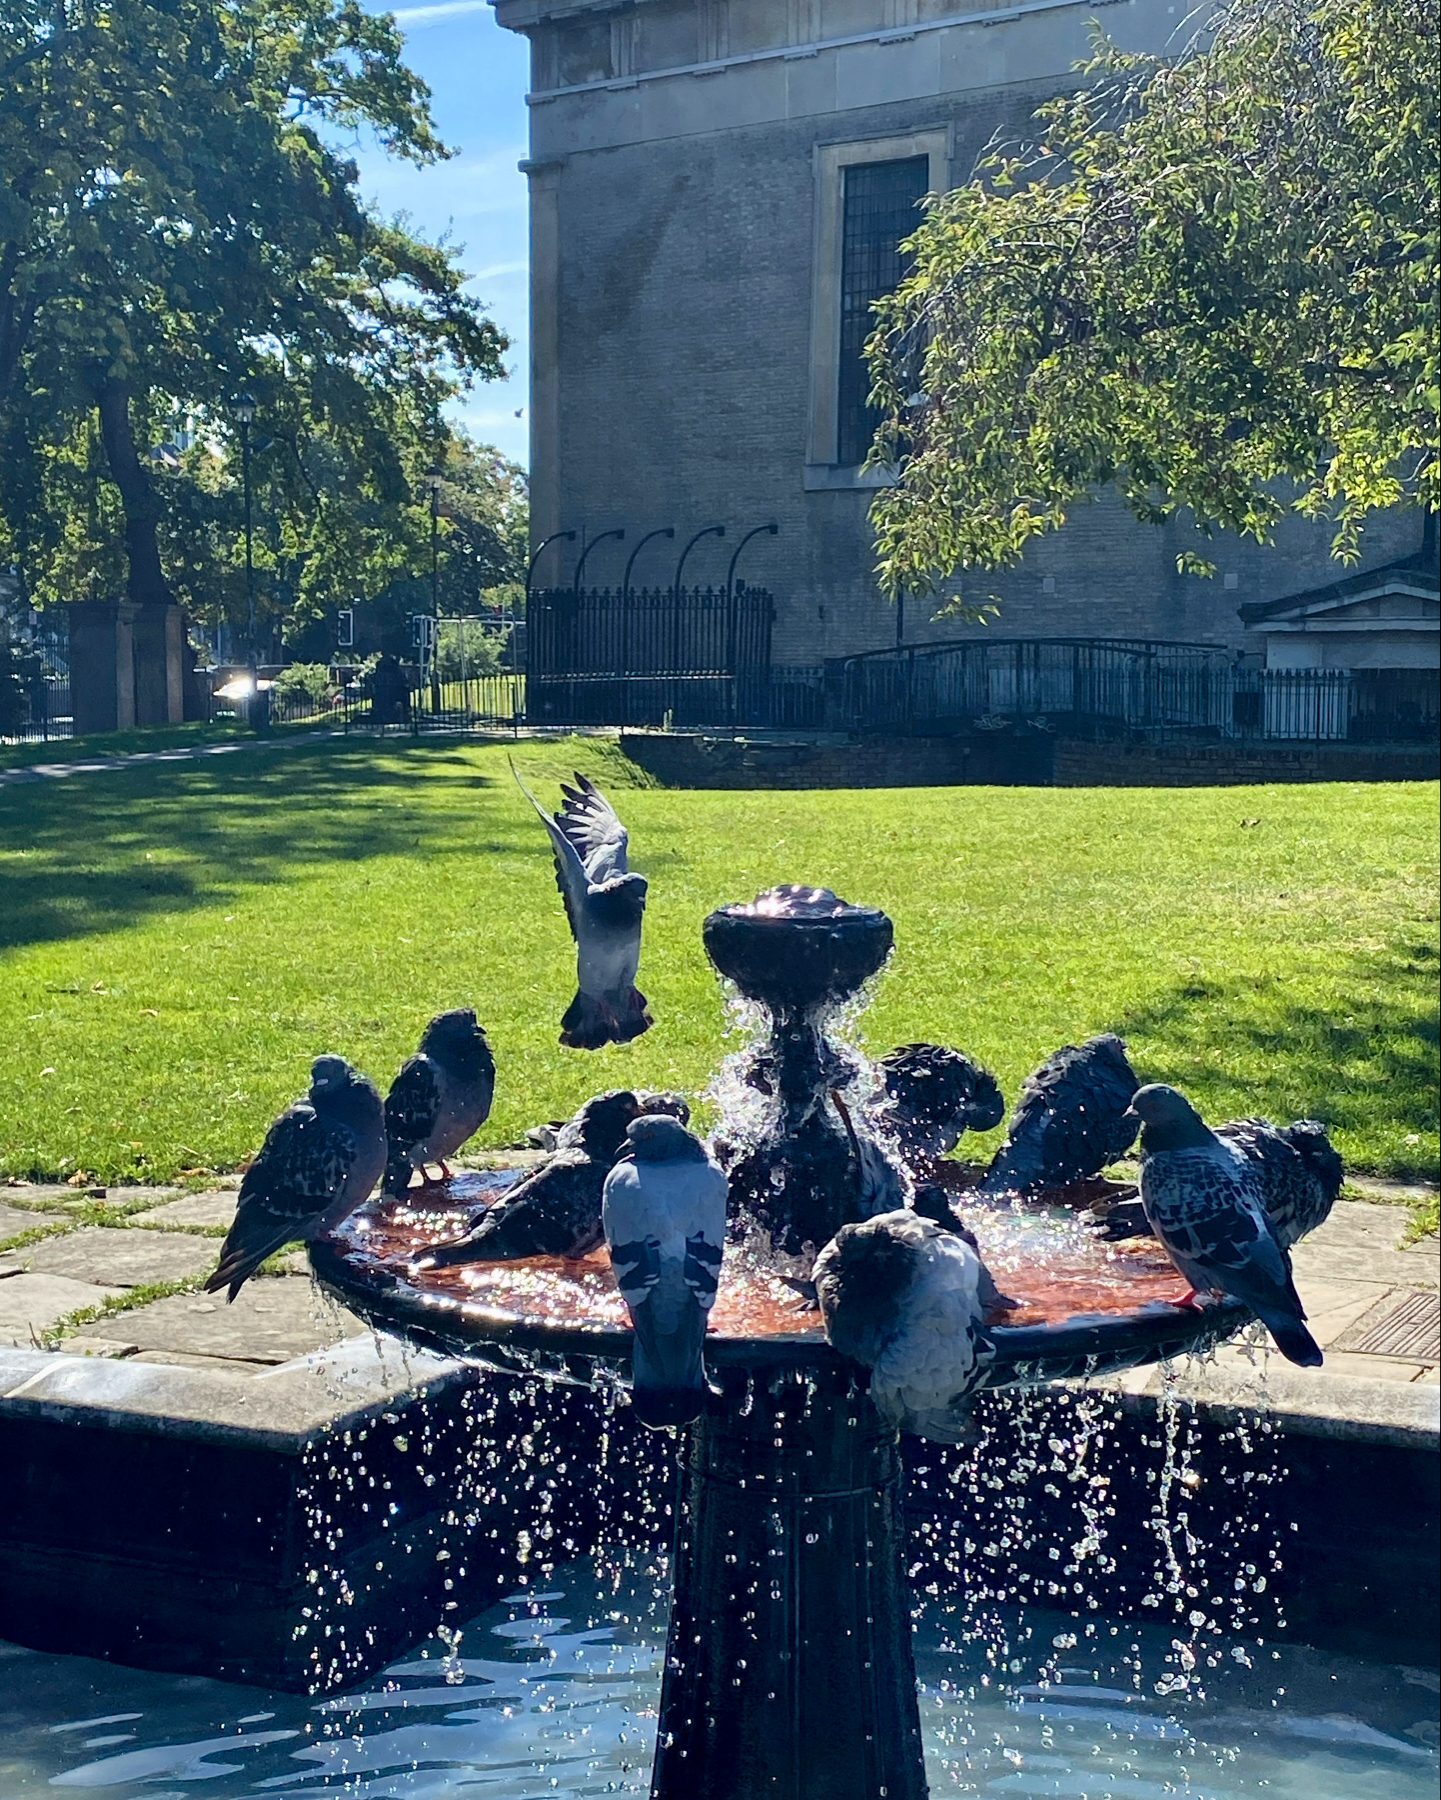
(589, 823)
(570, 871)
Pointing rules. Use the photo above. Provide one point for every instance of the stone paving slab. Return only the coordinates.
(30, 1304)
(271, 1320)
(15, 1219)
(106, 1255)
(216, 1206)
(1363, 1240)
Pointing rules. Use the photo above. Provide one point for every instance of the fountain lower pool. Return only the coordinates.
(553, 1695)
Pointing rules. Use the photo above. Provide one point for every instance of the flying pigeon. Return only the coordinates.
(931, 1096)
(440, 1098)
(1203, 1200)
(604, 901)
(1070, 1121)
(665, 1218)
(555, 1211)
(1297, 1171)
(901, 1296)
(320, 1160)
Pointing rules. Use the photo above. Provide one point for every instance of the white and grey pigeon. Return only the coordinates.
(320, 1160)
(605, 903)
(555, 1210)
(440, 1098)
(1297, 1168)
(665, 1216)
(1070, 1121)
(1204, 1202)
(931, 1096)
(902, 1297)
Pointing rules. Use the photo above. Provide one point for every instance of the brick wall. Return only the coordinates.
(1081, 764)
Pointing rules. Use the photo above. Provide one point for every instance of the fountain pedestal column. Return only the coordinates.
(789, 1670)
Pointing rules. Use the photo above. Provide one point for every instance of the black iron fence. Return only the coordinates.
(1091, 686)
(666, 633)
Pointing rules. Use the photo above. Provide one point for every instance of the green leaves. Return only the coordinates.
(1212, 285)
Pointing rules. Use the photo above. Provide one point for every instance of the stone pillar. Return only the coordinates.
(159, 638)
(102, 665)
(789, 1672)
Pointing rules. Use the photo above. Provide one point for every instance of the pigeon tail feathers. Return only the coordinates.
(590, 1023)
(1292, 1339)
(668, 1368)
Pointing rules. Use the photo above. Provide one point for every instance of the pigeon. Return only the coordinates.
(934, 1203)
(440, 1098)
(604, 901)
(1070, 1121)
(1203, 1199)
(931, 1096)
(665, 1217)
(555, 1211)
(901, 1296)
(1297, 1170)
(320, 1160)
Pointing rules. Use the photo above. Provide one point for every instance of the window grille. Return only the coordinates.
(879, 210)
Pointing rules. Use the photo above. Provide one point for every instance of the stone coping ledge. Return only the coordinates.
(1352, 1408)
(283, 1409)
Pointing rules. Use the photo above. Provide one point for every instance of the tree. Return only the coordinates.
(1210, 284)
(175, 228)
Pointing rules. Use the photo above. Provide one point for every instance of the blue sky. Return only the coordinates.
(477, 75)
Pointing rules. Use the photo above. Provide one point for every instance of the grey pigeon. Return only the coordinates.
(320, 1160)
(1070, 1121)
(931, 1096)
(665, 1217)
(604, 902)
(1297, 1170)
(440, 1098)
(1203, 1200)
(556, 1210)
(901, 1296)
(934, 1203)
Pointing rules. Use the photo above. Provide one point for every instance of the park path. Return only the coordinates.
(128, 759)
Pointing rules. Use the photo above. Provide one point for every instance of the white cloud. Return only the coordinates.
(412, 16)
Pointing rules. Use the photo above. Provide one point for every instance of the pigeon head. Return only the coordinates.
(673, 1104)
(602, 1123)
(1168, 1119)
(456, 1040)
(328, 1075)
(657, 1137)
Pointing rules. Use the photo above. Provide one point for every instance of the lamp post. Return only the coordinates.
(666, 531)
(433, 480)
(599, 538)
(705, 531)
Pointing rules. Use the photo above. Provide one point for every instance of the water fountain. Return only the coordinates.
(789, 1667)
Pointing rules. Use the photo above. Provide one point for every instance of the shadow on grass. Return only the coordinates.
(1363, 1059)
(73, 852)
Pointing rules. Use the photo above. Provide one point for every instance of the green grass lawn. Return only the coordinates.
(177, 940)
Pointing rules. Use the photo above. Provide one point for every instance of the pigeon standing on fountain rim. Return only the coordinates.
(665, 1214)
(320, 1160)
(605, 903)
(440, 1098)
(1204, 1203)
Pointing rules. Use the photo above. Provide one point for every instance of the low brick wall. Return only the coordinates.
(691, 760)
(1079, 763)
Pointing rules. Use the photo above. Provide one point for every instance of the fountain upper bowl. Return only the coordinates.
(796, 946)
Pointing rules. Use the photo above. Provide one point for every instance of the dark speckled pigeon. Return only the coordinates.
(1070, 1121)
(931, 1096)
(1204, 1203)
(440, 1098)
(556, 1210)
(1297, 1171)
(605, 903)
(320, 1160)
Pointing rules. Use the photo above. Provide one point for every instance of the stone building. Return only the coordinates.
(717, 190)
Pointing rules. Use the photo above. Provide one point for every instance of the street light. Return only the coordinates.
(245, 418)
(599, 538)
(666, 531)
(434, 481)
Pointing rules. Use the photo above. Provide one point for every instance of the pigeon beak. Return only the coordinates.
(1131, 1116)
